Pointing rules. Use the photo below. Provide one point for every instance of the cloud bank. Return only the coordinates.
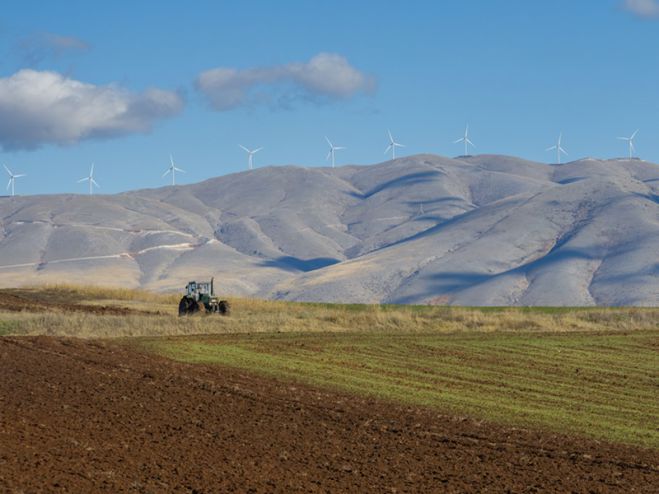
(326, 77)
(643, 8)
(41, 107)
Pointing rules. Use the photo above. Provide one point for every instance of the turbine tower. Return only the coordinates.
(392, 146)
(90, 179)
(465, 139)
(630, 140)
(172, 169)
(332, 151)
(558, 149)
(250, 154)
(12, 179)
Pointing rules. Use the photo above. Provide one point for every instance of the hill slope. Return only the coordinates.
(482, 230)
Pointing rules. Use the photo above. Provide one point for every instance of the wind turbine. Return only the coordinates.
(12, 179)
(392, 146)
(466, 140)
(250, 154)
(558, 149)
(630, 140)
(333, 150)
(90, 179)
(172, 169)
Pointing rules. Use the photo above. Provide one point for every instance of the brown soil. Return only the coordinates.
(25, 300)
(89, 416)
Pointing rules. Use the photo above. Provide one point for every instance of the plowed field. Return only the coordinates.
(27, 300)
(89, 416)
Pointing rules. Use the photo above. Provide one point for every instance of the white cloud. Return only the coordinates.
(327, 76)
(643, 8)
(39, 107)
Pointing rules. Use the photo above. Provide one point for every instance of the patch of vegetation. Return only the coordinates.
(8, 327)
(603, 385)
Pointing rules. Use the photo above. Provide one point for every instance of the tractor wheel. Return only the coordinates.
(224, 307)
(183, 306)
(193, 308)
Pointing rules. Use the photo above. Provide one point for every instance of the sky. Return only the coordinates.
(123, 84)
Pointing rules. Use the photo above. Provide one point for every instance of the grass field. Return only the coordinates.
(589, 371)
(601, 385)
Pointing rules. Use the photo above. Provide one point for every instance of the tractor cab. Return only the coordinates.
(205, 288)
(198, 290)
(191, 289)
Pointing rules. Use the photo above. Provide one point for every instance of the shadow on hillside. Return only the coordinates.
(568, 181)
(450, 283)
(430, 202)
(405, 180)
(652, 197)
(289, 263)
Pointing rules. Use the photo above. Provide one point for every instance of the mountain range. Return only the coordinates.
(423, 229)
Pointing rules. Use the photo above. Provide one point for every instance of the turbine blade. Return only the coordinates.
(634, 134)
(399, 145)
(83, 179)
(91, 170)
(244, 148)
(562, 150)
(169, 170)
(256, 150)
(9, 183)
(469, 142)
(179, 170)
(8, 170)
(329, 155)
(21, 175)
(459, 140)
(388, 149)
(551, 148)
(95, 183)
(624, 138)
(391, 138)
(329, 142)
(339, 147)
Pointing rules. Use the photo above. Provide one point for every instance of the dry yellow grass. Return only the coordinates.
(261, 316)
(87, 293)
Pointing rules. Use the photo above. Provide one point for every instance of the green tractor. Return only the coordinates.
(202, 294)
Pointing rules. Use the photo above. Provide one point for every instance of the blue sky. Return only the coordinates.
(518, 71)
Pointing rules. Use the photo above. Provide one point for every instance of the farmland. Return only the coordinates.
(600, 385)
(108, 389)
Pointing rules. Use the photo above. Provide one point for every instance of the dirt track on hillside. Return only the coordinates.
(89, 416)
